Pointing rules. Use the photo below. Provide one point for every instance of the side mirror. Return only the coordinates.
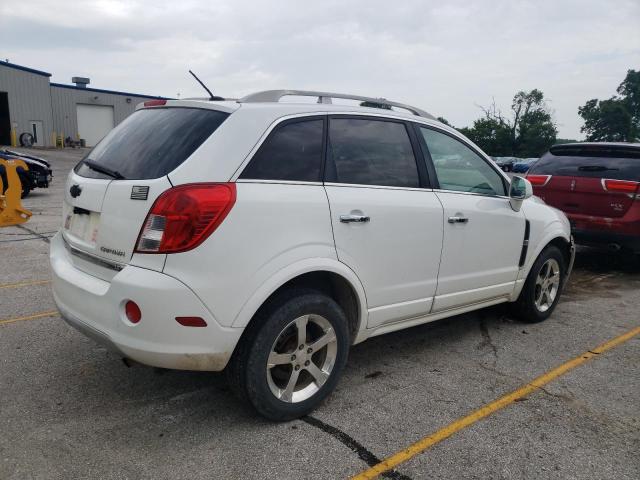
(519, 191)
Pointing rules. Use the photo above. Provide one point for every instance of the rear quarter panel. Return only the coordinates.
(270, 227)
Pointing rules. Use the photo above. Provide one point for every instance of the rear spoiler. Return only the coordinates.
(631, 150)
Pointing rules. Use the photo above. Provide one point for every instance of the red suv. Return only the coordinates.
(597, 185)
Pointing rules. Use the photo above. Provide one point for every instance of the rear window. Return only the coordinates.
(152, 142)
(589, 165)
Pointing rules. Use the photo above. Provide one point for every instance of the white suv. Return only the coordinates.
(265, 238)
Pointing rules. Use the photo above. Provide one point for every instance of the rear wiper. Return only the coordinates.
(107, 171)
(594, 168)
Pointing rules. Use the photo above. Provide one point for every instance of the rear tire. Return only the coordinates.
(292, 355)
(543, 287)
(25, 181)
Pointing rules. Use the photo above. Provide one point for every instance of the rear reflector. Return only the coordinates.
(620, 186)
(183, 217)
(132, 310)
(155, 103)
(191, 321)
(539, 180)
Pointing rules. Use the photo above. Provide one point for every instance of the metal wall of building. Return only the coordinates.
(29, 99)
(64, 101)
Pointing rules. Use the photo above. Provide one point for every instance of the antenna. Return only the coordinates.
(211, 95)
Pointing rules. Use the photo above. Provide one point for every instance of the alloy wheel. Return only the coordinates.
(547, 285)
(301, 358)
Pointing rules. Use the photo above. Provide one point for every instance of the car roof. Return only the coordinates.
(277, 110)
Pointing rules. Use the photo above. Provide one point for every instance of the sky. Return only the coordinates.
(447, 57)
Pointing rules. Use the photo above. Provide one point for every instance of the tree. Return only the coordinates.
(629, 91)
(528, 133)
(492, 135)
(616, 119)
(606, 120)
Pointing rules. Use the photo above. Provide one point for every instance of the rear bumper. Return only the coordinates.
(596, 237)
(96, 308)
(623, 231)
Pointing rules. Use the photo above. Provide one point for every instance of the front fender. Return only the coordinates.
(282, 276)
(546, 224)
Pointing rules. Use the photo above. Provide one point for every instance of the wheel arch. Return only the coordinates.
(328, 276)
(556, 237)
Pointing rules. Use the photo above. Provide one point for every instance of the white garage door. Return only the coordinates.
(94, 122)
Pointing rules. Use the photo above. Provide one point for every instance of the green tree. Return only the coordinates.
(629, 91)
(528, 132)
(491, 135)
(616, 119)
(606, 121)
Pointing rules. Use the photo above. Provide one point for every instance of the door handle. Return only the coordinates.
(354, 218)
(458, 219)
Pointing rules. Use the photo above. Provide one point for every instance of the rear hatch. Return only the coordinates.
(598, 180)
(110, 192)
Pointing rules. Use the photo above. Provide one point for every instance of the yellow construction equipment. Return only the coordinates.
(11, 210)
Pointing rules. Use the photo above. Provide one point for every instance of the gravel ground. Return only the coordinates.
(71, 409)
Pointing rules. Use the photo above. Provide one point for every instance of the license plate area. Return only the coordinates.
(83, 225)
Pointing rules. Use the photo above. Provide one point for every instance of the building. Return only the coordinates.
(30, 103)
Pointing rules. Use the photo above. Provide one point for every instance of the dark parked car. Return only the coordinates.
(597, 185)
(523, 165)
(505, 163)
(38, 176)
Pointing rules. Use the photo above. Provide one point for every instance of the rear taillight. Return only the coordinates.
(183, 217)
(539, 180)
(620, 186)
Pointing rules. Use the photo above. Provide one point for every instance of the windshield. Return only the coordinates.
(150, 143)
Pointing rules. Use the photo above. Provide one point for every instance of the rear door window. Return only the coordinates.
(292, 152)
(152, 142)
(371, 152)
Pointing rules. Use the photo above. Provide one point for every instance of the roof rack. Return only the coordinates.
(325, 97)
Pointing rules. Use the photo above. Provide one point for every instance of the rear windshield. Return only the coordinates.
(151, 142)
(617, 168)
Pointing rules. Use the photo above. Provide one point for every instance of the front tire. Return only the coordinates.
(292, 355)
(543, 287)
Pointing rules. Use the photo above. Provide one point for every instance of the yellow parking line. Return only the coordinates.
(52, 313)
(24, 284)
(421, 445)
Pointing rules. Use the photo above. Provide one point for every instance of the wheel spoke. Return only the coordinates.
(276, 358)
(301, 325)
(546, 298)
(287, 393)
(547, 271)
(328, 337)
(320, 376)
(539, 298)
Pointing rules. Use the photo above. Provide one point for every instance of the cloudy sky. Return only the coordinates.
(447, 57)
